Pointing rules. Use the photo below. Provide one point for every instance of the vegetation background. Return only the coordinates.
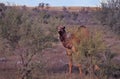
(30, 48)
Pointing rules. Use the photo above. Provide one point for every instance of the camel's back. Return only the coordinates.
(82, 33)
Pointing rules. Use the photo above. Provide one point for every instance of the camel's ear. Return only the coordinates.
(63, 27)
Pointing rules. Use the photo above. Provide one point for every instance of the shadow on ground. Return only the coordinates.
(63, 69)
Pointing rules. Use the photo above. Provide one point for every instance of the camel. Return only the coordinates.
(69, 41)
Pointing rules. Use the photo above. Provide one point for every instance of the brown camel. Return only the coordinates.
(70, 40)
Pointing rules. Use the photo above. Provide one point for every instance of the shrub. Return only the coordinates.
(89, 51)
(109, 14)
(26, 33)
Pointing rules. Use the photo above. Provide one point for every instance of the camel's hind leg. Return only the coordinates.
(95, 70)
(80, 70)
(69, 54)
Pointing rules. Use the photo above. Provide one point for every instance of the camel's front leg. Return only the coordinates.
(70, 64)
(96, 67)
(69, 54)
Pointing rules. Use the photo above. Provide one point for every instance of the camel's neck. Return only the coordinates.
(62, 35)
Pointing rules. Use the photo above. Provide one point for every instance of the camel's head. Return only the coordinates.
(61, 29)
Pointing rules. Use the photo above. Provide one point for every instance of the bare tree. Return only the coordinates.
(47, 6)
(41, 5)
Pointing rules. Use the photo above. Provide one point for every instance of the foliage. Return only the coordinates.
(43, 5)
(27, 34)
(108, 67)
(89, 50)
(109, 14)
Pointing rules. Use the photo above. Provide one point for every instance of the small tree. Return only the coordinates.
(41, 5)
(26, 36)
(24, 32)
(47, 6)
(30, 45)
(64, 9)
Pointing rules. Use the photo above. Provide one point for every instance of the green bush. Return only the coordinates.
(25, 30)
(89, 51)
